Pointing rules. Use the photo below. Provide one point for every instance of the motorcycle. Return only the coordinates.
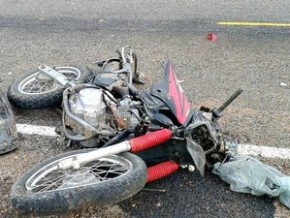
(138, 137)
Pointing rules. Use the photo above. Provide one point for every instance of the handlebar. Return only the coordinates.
(230, 100)
(127, 60)
(217, 112)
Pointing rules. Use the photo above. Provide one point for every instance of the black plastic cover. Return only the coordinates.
(7, 126)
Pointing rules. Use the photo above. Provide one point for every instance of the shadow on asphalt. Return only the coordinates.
(189, 195)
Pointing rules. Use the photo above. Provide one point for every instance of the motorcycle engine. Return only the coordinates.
(89, 105)
(97, 109)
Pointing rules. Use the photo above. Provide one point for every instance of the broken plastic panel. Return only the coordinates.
(7, 126)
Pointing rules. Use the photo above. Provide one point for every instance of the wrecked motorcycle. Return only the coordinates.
(96, 106)
(141, 137)
(43, 88)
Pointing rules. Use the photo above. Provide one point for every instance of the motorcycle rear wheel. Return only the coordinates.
(33, 92)
(107, 181)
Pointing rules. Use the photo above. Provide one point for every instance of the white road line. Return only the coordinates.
(264, 151)
(36, 130)
(246, 149)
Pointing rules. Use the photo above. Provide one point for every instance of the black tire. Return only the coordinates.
(48, 98)
(65, 199)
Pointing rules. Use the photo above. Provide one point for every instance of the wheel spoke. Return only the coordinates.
(50, 180)
(31, 85)
(47, 179)
(105, 170)
(43, 87)
(36, 87)
(48, 183)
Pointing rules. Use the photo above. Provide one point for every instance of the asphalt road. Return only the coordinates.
(254, 58)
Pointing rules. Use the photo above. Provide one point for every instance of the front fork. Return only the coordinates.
(134, 145)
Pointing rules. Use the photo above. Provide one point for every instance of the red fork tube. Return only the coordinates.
(134, 145)
(161, 170)
(149, 140)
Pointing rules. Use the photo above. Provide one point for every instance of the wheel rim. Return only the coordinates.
(48, 178)
(31, 85)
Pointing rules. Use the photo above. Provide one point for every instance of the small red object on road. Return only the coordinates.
(212, 37)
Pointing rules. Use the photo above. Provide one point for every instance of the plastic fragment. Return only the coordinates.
(211, 37)
(283, 84)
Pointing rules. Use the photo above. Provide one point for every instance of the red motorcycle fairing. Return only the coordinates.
(171, 94)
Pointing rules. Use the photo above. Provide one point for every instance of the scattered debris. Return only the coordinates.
(211, 37)
(101, 21)
(283, 84)
(158, 204)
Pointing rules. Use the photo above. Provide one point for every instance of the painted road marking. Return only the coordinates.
(264, 151)
(246, 149)
(261, 24)
(36, 130)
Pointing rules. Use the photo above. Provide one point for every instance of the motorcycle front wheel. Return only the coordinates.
(33, 91)
(109, 180)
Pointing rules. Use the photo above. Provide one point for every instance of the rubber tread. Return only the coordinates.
(57, 202)
(46, 100)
